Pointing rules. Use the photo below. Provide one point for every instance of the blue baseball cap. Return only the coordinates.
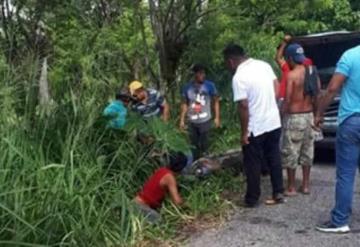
(295, 52)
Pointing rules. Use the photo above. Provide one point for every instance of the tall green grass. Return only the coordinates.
(66, 180)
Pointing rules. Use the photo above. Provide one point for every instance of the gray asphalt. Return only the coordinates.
(291, 224)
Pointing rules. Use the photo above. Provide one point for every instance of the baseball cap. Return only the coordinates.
(134, 85)
(295, 52)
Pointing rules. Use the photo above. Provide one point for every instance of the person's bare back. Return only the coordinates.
(296, 100)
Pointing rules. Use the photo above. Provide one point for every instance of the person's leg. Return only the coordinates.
(288, 159)
(305, 187)
(204, 142)
(347, 157)
(194, 139)
(291, 176)
(307, 154)
(264, 168)
(150, 215)
(252, 168)
(272, 155)
(204, 137)
(292, 138)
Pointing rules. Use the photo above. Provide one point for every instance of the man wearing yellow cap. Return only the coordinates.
(150, 102)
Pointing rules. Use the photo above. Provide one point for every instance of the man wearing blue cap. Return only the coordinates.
(302, 88)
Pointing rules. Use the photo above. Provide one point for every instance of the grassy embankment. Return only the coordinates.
(67, 181)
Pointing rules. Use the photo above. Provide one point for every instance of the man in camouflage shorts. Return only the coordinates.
(298, 148)
(298, 108)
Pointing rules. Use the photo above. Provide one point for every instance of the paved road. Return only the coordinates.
(290, 224)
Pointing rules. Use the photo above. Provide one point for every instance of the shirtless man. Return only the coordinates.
(298, 112)
(284, 67)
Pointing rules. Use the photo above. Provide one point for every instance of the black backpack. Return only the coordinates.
(311, 81)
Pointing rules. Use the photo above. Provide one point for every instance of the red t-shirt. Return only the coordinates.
(285, 69)
(152, 193)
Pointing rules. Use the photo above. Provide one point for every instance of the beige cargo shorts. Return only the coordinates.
(297, 140)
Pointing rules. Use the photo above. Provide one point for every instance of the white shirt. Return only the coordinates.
(254, 81)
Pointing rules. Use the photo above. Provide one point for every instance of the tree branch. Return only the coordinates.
(167, 15)
(146, 47)
(184, 29)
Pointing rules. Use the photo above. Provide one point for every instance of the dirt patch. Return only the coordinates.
(199, 225)
(202, 223)
(191, 227)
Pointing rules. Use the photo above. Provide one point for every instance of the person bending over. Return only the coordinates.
(116, 111)
(161, 183)
(150, 102)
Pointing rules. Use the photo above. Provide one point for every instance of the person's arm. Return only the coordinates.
(217, 111)
(279, 58)
(164, 106)
(183, 111)
(166, 112)
(343, 70)
(277, 88)
(169, 182)
(240, 90)
(109, 112)
(215, 103)
(317, 98)
(334, 87)
(243, 108)
(184, 106)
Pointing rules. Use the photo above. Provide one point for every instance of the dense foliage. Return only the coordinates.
(65, 179)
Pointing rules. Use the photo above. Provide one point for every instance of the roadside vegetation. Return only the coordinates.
(65, 179)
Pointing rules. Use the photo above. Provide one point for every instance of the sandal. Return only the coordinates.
(302, 191)
(290, 193)
(274, 200)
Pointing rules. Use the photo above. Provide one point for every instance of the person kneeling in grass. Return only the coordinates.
(163, 181)
(116, 111)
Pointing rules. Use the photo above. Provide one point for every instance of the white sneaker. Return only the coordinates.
(329, 227)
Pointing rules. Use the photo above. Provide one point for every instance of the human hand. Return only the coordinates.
(245, 139)
(317, 122)
(287, 38)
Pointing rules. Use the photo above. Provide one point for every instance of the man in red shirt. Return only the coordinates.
(284, 66)
(162, 182)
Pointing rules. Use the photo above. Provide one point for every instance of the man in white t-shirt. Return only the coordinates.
(254, 86)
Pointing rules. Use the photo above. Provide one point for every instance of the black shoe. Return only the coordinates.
(280, 198)
(250, 205)
(329, 227)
